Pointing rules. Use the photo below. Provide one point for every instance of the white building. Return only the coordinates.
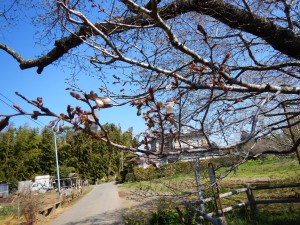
(185, 147)
(186, 140)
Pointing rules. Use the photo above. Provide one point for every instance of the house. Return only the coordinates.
(187, 140)
(188, 145)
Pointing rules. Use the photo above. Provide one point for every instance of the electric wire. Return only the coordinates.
(38, 122)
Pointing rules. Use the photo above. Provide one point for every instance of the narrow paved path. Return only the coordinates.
(102, 206)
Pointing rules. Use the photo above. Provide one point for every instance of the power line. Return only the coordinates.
(38, 122)
(35, 121)
(6, 103)
(6, 98)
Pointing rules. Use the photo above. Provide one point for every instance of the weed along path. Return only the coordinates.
(102, 206)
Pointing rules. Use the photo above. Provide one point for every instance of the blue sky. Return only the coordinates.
(50, 85)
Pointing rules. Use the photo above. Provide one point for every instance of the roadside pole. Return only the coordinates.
(199, 185)
(57, 166)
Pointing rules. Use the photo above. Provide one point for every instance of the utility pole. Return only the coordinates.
(57, 166)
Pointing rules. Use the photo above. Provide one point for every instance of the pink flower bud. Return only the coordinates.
(99, 102)
(91, 118)
(106, 100)
(169, 107)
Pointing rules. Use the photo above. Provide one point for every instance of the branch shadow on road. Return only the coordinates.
(113, 217)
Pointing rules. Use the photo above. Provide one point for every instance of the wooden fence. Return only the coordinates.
(252, 201)
(48, 210)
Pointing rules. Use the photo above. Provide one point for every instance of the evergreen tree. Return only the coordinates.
(47, 152)
(7, 154)
(26, 153)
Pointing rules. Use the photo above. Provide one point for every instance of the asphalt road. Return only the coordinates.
(102, 206)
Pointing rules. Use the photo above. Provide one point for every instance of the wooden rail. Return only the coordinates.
(46, 211)
(252, 202)
(234, 192)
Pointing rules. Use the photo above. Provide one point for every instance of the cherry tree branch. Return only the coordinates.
(282, 39)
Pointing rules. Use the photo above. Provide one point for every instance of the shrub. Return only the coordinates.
(30, 203)
(172, 214)
(145, 174)
(129, 177)
(7, 210)
(136, 217)
(165, 217)
(184, 167)
(166, 170)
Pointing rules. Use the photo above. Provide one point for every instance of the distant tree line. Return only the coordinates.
(27, 152)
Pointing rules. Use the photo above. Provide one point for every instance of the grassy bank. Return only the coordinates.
(289, 216)
(268, 170)
(274, 168)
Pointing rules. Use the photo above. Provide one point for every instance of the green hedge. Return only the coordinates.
(142, 174)
(171, 169)
(167, 170)
(175, 168)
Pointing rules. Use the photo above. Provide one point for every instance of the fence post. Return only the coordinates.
(215, 188)
(222, 220)
(251, 199)
(199, 185)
